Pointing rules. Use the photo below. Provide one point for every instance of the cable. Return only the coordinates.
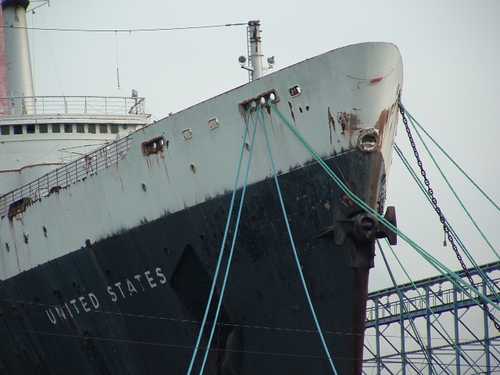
(130, 30)
(485, 195)
(221, 253)
(420, 184)
(449, 340)
(295, 254)
(455, 194)
(412, 323)
(439, 266)
(231, 251)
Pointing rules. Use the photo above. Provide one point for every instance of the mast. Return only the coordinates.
(17, 54)
(256, 55)
(255, 66)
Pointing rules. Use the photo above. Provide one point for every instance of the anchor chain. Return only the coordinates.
(439, 212)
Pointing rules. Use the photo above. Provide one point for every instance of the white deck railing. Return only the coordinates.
(71, 105)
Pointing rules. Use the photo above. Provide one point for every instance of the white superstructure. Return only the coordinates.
(41, 133)
(56, 130)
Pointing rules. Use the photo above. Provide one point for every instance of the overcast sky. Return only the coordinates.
(450, 49)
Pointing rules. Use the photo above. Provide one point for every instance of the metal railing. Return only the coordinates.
(71, 105)
(71, 173)
(414, 304)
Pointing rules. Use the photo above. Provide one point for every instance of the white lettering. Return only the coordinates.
(138, 278)
(60, 312)
(131, 287)
(51, 316)
(151, 282)
(84, 303)
(73, 303)
(68, 309)
(160, 275)
(93, 300)
(119, 286)
(113, 295)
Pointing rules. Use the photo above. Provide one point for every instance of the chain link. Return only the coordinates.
(439, 212)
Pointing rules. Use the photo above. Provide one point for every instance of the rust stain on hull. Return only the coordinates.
(381, 123)
(331, 124)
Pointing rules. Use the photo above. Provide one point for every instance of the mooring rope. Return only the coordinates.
(294, 248)
(466, 175)
(439, 266)
(223, 244)
(455, 194)
(444, 331)
(419, 340)
(493, 287)
(231, 251)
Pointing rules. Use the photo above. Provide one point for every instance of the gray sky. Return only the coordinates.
(450, 49)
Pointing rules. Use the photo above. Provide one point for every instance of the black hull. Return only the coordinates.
(69, 316)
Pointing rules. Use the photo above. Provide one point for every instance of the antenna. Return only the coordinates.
(255, 67)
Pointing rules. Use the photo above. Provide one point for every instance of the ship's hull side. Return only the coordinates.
(132, 303)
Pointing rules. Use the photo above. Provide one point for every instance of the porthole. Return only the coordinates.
(295, 91)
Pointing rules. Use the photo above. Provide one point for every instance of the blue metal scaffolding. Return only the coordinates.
(433, 329)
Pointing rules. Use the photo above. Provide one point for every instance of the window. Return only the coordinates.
(56, 128)
(68, 128)
(30, 129)
(91, 128)
(114, 129)
(43, 128)
(154, 146)
(124, 126)
(103, 128)
(18, 129)
(5, 130)
(80, 128)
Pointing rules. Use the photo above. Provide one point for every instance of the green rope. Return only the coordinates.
(440, 267)
(294, 250)
(436, 164)
(422, 188)
(453, 161)
(429, 309)
(403, 305)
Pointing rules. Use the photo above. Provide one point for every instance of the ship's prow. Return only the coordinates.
(109, 259)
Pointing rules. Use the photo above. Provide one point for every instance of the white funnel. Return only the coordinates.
(17, 52)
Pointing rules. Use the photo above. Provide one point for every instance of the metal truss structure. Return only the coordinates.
(433, 329)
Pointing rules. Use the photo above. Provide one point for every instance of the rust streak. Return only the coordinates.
(331, 124)
(291, 111)
(382, 122)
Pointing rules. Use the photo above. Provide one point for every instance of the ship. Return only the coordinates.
(111, 223)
